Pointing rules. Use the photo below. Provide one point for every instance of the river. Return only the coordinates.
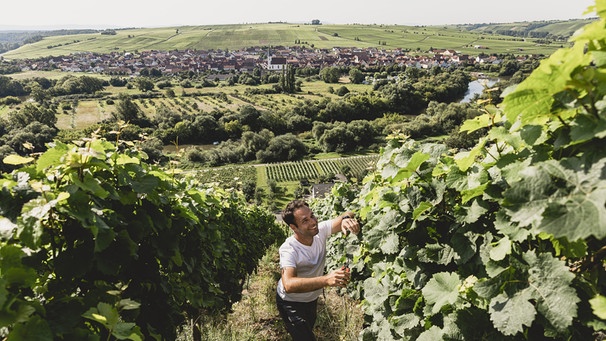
(477, 87)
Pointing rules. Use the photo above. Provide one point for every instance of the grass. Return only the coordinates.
(256, 317)
(91, 111)
(238, 36)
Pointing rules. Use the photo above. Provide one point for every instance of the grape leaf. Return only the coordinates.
(478, 122)
(35, 329)
(51, 157)
(581, 212)
(400, 324)
(550, 280)
(587, 127)
(7, 227)
(431, 334)
(441, 289)
(436, 253)
(501, 249)
(13, 271)
(15, 159)
(465, 159)
(598, 305)
(532, 99)
(413, 164)
(526, 199)
(510, 314)
(390, 244)
(420, 209)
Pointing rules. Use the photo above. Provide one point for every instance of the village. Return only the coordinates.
(249, 59)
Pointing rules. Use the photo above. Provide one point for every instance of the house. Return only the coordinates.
(320, 190)
(276, 63)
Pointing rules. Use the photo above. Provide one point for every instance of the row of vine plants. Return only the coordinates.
(97, 244)
(505, 241)
(294, 171)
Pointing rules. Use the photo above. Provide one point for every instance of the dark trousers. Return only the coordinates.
(299, 318)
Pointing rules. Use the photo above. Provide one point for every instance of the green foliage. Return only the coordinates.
(330, 74)
(94, 241)
(504, 241)
(69, 85)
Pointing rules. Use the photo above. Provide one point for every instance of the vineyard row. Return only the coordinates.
(313, 169)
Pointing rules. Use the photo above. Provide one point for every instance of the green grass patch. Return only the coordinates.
(239, 36)
(255, 316)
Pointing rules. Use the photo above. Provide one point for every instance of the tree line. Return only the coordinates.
(418, 102)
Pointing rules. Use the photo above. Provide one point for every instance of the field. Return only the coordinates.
(234, 37)
(561, 28)
(89, 111)
(294, 171)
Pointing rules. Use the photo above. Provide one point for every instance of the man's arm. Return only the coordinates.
(294, 284)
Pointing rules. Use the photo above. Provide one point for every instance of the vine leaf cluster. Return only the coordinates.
(503, 241)
(95, 243)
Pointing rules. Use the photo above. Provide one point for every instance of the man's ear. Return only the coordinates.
(293, 227)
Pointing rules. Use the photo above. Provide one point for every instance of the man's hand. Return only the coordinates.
(349, 224)
(339, 278)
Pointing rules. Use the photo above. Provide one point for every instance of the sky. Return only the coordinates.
(56, 14)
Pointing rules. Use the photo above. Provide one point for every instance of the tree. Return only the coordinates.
(252, 142)
(207, 129)
(288, 80)
(338, 139)
(363, 131)
(144, 84)
(342, 91)
(298, 123)
(233, 128)
(330, 74)
(249, 116)
(37, 93)
(508, 68)
(126, 109)
(31, 138)
(33, 113)
(356, 76)
(10, 87)
(283, 148)
(70, 84)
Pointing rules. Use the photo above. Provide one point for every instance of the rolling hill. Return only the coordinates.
(517, 38)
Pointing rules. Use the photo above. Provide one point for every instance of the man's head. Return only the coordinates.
(301, 220)
(288, 214)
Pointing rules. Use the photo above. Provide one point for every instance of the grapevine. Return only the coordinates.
(95, 242)
(504, 241)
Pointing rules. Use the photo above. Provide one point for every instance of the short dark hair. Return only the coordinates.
(288, 214)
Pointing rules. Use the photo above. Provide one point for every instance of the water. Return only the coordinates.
(477, 87)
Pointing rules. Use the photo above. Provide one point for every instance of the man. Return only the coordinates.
(302, 258)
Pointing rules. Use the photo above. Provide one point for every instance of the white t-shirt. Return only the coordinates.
(308, 260)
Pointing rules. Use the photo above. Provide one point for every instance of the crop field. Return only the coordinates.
(239, 36)
(233, 175)
(91, 111)
(313, 169)
(284, 173)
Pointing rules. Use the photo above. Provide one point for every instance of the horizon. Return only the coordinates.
(114, 14)
(8, 28)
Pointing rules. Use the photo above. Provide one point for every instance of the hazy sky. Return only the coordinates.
(137, 13)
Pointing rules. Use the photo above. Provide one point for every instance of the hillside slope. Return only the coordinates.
(554, 29)
(465, 39)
